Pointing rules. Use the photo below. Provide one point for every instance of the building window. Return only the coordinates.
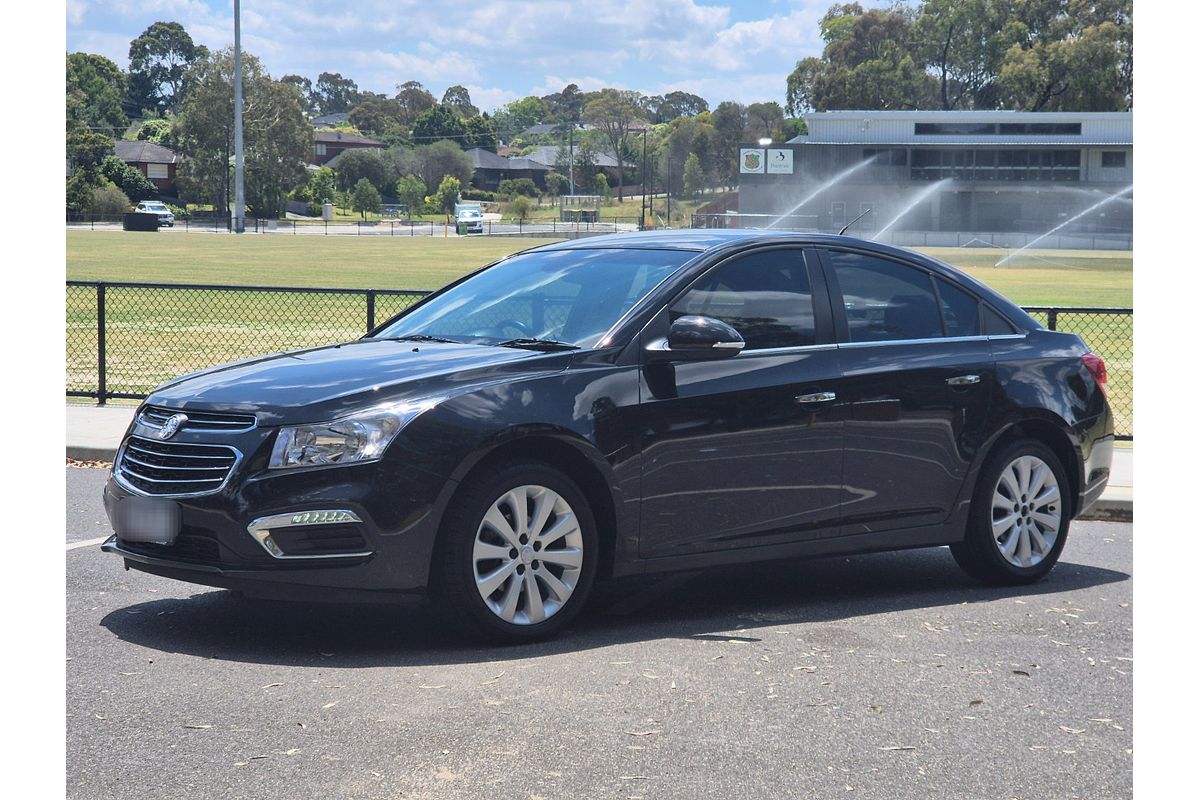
(998, 128)
(891, 157)
(157, 172)
(319, 148)
(996, 165)
(1112, 158)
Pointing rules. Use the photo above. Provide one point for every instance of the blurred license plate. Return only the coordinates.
(146, 519)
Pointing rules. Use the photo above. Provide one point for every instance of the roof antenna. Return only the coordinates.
(842, 232)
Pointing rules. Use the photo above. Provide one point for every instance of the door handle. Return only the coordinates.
(963, 380)
(817, 397)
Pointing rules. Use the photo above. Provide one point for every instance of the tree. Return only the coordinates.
(519, 115)
(1069, 56)
(613, 112)
(322, 186)
(79, 193)
(277, 137)
(375, 113)
(430, 162)
(158, 60)
(674, 105)
(458, 99)
(128, 178)
(729, 130)
(564, 106)
(556, 183)
(518, 186)
(306, 89)
(413, 99)
(478, 133)
(335, 94)
(370, 164)
(95, 90)
(86, 150)
(963, 42)
(154, 130)
(693, 176)
(447, 194)
(411, 192)
(438, 122)
(867, 63)
(764, 120)
(365, 197)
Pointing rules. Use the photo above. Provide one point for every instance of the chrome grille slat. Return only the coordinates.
(129, 458)
(174, 468)
(155, 416)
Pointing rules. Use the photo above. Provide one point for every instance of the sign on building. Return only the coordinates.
(752, 161)
(779, 162)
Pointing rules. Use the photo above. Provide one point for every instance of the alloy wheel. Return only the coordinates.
(527, 555)
(1026, 511)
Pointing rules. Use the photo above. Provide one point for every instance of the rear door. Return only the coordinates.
(742, 452)
(917, 381)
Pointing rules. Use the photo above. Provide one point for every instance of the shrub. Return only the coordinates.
(109, 201)
(365, 197)
(447, 194)
(518, 186)
(520, 207)
(478, 194)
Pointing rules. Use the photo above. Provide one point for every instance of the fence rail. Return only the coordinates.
(124, 339)
(383, 227)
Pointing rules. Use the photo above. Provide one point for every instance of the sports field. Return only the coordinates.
(156, 334)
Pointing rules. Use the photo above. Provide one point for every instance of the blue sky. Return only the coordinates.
(499, 49)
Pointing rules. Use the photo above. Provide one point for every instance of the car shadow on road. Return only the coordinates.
(719, 603)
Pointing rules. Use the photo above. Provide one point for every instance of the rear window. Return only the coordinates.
(885, 300)
(959, 309)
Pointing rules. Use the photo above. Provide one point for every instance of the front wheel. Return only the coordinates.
(518, 554)
(1019, 516)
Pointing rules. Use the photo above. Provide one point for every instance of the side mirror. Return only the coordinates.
(696, 338)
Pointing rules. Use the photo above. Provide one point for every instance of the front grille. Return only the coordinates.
(191, 547)
(199, 420)
(173, 468)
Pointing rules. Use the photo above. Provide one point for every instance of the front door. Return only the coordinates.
(743, 451)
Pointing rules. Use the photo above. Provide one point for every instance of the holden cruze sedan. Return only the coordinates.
(625, 404)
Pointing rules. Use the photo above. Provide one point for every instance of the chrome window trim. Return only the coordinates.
(126, 485)
(260, 532)
(799, 348)
(939, 339)
(1006, 336)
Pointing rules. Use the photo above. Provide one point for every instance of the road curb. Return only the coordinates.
(1110, 510)
(90, 453)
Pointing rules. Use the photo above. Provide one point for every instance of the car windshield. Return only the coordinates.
(155, 206)
(568, 296)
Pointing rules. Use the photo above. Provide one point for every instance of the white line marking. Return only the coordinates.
(88, 543)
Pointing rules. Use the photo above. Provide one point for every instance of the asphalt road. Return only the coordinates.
(882, 676)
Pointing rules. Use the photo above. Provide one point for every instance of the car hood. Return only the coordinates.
(328, 382)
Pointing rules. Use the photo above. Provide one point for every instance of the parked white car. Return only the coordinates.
(165, 217)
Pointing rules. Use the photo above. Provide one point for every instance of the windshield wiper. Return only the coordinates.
(421, 337)
(539, 344)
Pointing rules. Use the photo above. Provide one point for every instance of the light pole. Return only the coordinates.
(642, 221)
(239, 176)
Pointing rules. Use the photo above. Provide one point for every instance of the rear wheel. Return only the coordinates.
(518, 554)
(1019, 516)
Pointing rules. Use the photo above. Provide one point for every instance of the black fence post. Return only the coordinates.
(101, 384)
(1052, 319)
(370, 310)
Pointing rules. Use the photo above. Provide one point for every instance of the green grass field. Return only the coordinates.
(156, 334)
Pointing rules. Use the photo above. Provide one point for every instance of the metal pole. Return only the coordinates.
(571, 160)
(668, 191)
(642, 220)
(101, 345)
(239, 188)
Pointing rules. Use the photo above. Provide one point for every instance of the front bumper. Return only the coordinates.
(244, 536)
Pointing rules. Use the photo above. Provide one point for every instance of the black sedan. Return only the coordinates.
(625, 404)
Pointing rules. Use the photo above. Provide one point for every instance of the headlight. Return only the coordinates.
(349, 440)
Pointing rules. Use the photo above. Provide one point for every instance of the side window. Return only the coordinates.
(885, 300)
(959, 309)
(995, 325)
(766, 297)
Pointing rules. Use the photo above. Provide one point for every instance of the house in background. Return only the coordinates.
(329, 144)
(156, 162)
(330, 120)
(490, 169)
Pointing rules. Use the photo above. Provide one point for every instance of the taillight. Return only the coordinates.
(1095, 365)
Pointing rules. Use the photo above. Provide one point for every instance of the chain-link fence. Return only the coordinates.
(349, 227)
(123, 339)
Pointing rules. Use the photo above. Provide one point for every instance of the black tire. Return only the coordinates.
(979, 553)
(453, 579)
